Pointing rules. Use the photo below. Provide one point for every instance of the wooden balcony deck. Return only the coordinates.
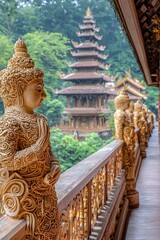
(144, 222)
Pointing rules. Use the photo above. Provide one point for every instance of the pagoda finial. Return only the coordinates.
(88, 12)
(128, 74)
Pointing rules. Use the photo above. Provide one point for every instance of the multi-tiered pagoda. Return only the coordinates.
(87, 97)
(134, 87)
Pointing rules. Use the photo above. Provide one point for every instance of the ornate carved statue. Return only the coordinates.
(150, 121)
(140, 122)
(28, 168)
(145, 115)
(124, 130)
(130, 110)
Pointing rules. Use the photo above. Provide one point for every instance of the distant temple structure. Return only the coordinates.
(87, 97)
(135, 89)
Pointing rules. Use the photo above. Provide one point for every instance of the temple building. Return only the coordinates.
(91, 88)
(135, 88)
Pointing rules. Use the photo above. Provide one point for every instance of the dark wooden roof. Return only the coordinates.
(87, 75)
(86, 111)
(88, 64)
(91, 53)
(88, 45)
(137, 17)
(90, 34)
(87, 89)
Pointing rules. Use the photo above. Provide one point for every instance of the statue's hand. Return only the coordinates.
(53, 175)
(43, 141)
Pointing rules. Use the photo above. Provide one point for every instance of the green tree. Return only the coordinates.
(152, 99)
(49, 51)
(70, 151)
(8, 12)
(6, 50)
(52, 108)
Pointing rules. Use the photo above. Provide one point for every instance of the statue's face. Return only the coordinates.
(34, 94)
(125, 105)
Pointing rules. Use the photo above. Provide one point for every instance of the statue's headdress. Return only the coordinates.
(122, 97)
(19, 72)
(137, 105)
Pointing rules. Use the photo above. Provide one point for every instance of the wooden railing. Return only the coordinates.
(97, 128)
(84, 189)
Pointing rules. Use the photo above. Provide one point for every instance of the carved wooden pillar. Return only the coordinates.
(94, 122)
(68, 101)
(87, 100)
(76, 101)
(99, 102)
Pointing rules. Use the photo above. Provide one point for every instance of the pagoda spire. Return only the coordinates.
(88, 12)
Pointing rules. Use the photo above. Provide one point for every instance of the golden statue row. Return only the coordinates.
(128, 117)
(28, 168)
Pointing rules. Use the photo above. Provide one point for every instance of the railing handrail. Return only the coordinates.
(73, 180)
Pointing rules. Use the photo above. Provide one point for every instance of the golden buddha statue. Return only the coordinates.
(146, 117)
(130, 110)
(140, 122)
(28, 168)
(124, 130)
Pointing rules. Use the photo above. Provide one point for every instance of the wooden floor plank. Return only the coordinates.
(144, 222)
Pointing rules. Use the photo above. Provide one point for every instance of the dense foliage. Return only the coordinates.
(70, 151)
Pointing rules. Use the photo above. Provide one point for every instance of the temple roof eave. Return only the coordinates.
(87, 89)
(89, 75)
(124, 80)
(87, 64)
(89, 34)
(89, 44)
(135, 92)
(86, 111)
(89, 54)
(89, 26)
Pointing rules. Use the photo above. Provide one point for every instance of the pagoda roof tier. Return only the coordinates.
(86, 111)
(87, 75)
(89, 26)
(87, 45)
(89, 34)
(134, 82)
(89, 21)
(87, 89)
(133, 91)
(88, 64)
(89, 54)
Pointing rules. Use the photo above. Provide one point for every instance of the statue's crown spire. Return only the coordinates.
(88, 12)
(128, 74)
(20, 58)
(123, 92)
(137, 104)
(20, 46)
